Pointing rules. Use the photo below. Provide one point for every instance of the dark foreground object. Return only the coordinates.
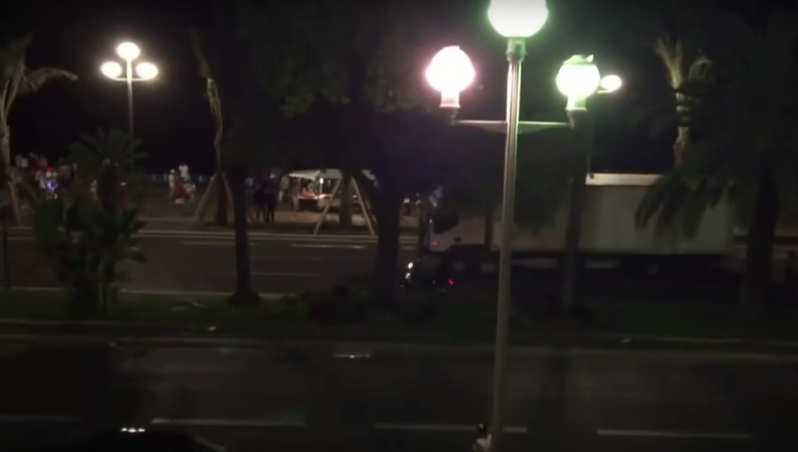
(251, 400)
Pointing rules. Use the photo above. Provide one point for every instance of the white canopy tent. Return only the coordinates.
(332, 174)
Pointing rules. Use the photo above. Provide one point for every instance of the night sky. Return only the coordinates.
(173, 120)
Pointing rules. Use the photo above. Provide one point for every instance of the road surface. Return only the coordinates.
(252, 400)
(197, 262)
(194, 261)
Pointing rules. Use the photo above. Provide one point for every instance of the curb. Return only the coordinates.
(353, 350)
(615, 338)
(130, 291)
(256, 234)
(616, 345)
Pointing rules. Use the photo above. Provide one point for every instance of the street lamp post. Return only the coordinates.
(450, 73)
(129, 52)
(579, 79)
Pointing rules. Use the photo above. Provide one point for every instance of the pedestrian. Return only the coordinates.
(294, 195)
(271, 201)
(170, 179)
(259, 198)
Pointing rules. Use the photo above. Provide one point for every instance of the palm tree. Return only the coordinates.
(743, 146)
(678, 70)
(17, 80)
(219, 186)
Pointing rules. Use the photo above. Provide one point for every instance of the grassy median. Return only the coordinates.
(444, 317)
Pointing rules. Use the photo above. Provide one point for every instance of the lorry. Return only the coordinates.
(609, 236)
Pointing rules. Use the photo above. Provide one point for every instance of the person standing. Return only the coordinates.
(259, 198)
(271, 201)
(170, 180)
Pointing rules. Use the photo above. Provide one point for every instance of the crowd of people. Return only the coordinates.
(182, 190)
(35, 171)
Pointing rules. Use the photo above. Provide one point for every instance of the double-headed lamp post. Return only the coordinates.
(450, 73)
(129, 52)
(579, 79)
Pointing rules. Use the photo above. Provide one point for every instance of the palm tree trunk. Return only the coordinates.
(6, 179)
(222, 195)
(243, 295)
(345, 206)
(759, 252)
(383, 281)
(680, 145)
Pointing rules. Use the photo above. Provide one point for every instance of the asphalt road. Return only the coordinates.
(200, 262)
(251, 400)
(204, 262)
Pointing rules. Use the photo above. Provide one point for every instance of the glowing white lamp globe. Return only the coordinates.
(579, 78)
(146, 71)
(128, 51)
(610, 83)
(449, 73)
(111, 69)
(517, 18)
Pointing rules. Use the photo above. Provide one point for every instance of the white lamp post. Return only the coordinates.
(129, 52)
(579, 79)
(450, 73)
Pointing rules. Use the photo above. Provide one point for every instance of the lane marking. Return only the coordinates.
(675, 434)
(286, 274)
(324, 245)
(210, 243)
(276, 258)
(443, 428)
(36, 418)
(225, 422)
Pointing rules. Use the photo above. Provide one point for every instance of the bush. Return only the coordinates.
(83, 237)
(83, 245)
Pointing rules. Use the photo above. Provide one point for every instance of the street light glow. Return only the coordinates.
(449, 73)
(517, 18)
(146, 71)
(128, 51)
(579, 78)
(611, 83)
(111, 69)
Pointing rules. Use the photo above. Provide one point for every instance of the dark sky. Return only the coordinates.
(172, 117)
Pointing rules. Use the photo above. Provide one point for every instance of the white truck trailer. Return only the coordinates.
(609, 236)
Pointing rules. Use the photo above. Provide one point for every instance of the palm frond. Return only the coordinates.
(35, 79)
(199, 54)
(671, 53)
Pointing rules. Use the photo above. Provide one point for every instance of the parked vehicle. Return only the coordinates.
(610, 237)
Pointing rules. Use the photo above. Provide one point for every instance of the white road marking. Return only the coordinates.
(325, 245)
(226, 422)
(20, 239)
(210, 243)
(37, 418)
(675, 434)
(442, 428)
(265, 258)
(287, 274)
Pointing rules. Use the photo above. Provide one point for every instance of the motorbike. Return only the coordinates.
(482, 444)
